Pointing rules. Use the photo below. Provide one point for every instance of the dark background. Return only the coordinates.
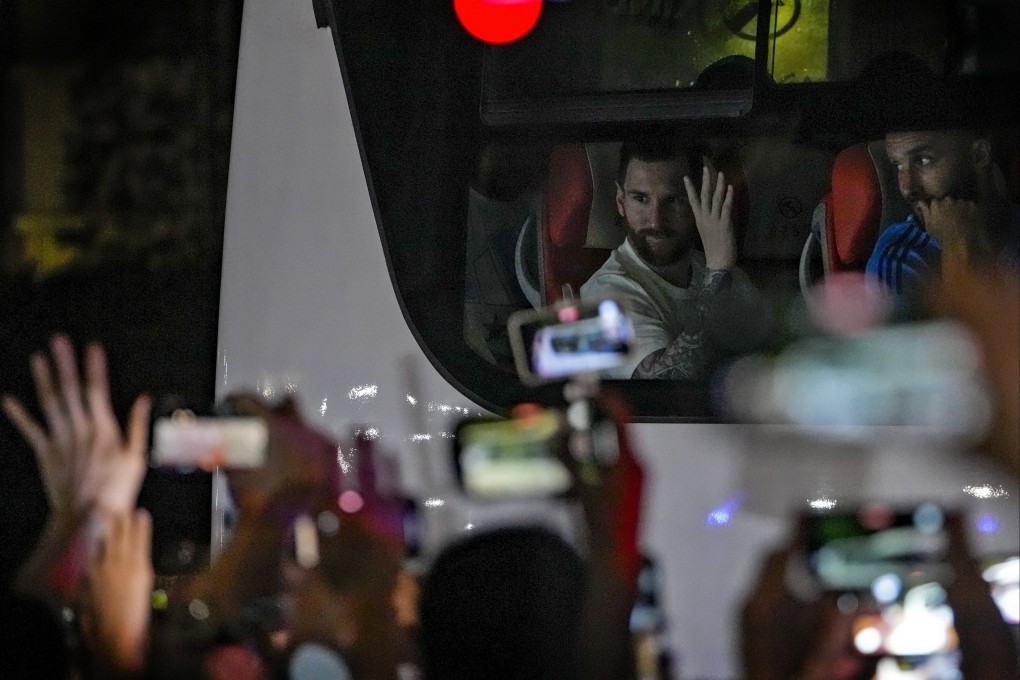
(115, 121)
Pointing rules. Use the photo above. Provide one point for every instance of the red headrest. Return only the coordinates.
(568, 200)
(568, 193)
(856, 206)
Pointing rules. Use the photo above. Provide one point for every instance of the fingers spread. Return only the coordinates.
(97, 386)
(49, 400)
(138, 425)
(692, 196)
(706, 187)
(719, 194)
(26, 425)
(70, 387)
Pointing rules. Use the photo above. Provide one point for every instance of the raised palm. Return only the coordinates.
(84, 457)
(713, 215)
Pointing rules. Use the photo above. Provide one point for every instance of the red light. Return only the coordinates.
(497, 21)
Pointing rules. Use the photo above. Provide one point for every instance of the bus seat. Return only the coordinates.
(578, 229)
(863, 200)
(784, 180)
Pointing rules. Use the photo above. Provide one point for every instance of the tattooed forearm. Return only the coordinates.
(715, 281)
(687, 356)
(682, 358)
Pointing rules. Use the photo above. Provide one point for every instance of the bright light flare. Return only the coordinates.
(823, 503)
(498, 21)
(986, 491)
(868, 640)
(363, 392)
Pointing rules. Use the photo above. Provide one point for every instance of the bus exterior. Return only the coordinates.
(355, 191)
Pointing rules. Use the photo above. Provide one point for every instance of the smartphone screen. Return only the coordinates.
(206, 443)
(568, 339)
(849, 551)
(892, 561)
(516, 458)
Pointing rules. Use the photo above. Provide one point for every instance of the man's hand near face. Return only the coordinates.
(972, 231)
(954, 223)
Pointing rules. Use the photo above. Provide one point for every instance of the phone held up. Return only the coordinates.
(499, 459)
(184, 441)
(848, 551)
(889, 565)
(570, 339)
(514, 458)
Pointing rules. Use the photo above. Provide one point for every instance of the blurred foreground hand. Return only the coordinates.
(986, 298)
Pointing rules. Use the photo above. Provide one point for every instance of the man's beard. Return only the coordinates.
(665, 252)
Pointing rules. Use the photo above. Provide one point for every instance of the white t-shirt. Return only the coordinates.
(739, 320)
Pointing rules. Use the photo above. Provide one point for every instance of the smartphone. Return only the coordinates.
(206, 443)
(498, 459)
(892, 562)
(848, 550)
(570, 338)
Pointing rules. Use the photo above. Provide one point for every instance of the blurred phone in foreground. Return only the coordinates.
(496, 459)
(569, 339)
(848, 550)
(186, 442)
(891, 563)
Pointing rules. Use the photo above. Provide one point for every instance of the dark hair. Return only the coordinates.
(655, 149)
(503, 605)
(734, 71)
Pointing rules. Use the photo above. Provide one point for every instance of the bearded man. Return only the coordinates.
(690, 303)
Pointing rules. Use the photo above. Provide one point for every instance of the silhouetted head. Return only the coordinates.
(732, 72)
(503, 605)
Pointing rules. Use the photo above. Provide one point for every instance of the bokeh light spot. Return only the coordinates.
(987, 524)
(868, 640)
(351, 501)
(722, 515)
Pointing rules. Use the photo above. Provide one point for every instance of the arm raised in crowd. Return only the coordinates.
(213, 611)
(300, 471)
(611, 499)
(985, 297)
(987, 646)
(340, 581)
(92, 472)
(119, 581)
(86, 461)
(787, 637)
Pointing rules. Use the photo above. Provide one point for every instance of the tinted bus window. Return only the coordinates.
(494, 169)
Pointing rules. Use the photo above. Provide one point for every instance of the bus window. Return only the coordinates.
(469, 146)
